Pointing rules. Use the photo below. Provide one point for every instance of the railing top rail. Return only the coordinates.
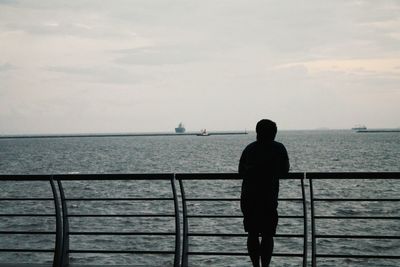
(24, 177)
(133, 176)
(226, 176)
(353, 175)
(207, 176)
(194, 176)
(81, 176)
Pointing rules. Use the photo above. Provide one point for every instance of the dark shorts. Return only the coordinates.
(259, 218)
(265, 224)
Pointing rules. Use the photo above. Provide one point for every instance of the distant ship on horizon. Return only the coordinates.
(203, 132)
(359, 127)
(180, 129)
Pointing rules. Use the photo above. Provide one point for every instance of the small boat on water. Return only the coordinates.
(180, 129)
(203, 132)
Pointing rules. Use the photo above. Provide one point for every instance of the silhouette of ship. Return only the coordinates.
(359, 127)
(180, 128)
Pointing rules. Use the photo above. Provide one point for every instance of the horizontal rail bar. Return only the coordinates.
(356, 199)
(357, 217)
(26, 199)
(237, 199)
(22, 177)
(241, 235)
(214, 216)
(122, 233)
(217, 253)
(357, 256)
(212, 199)
(27, 215)
(359, 236)
(25, 250)
(118, 199)
(200, 176)
(28, 232)
(207, 176)
(121, 251)
(86, 176)
(226, 176)
(241, 216)
(353, 175)
(102, 177)
(121, 215)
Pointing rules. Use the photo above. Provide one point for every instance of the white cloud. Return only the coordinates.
(369, 66)
(6, 67)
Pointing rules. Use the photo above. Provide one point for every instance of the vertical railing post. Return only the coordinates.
(185, 244)
(59, 237)
(177, 224)
(65, 243)
(313, 239)
(305, 239)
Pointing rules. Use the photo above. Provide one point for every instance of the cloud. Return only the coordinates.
(51, 18)
(7, 67)
(73, 26)
(8, 2)
(97, 74)
(365, 66)
(161, 55)
(73, 70)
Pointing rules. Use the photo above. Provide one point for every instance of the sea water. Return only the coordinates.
(324, 151)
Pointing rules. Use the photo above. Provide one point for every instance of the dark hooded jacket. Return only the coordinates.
(261, 165)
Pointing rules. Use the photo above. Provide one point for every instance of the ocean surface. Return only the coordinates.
(325, 151)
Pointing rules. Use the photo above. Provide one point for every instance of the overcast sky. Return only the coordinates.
(144, 66)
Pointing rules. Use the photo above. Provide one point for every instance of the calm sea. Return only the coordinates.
(325, 151)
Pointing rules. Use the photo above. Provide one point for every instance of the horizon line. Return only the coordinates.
(82, 134)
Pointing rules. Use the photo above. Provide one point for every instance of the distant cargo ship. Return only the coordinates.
(359, 127)
(180, 128)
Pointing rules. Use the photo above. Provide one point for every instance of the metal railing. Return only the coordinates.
(186, 252)
(62, 248)
(357, 179)
(320, 194)
(57, 214)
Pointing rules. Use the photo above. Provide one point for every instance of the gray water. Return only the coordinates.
(324, 151)
(308, 151)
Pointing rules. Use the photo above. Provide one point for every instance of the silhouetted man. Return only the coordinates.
(261, 165)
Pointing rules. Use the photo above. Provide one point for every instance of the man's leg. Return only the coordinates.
(253, 246)
(266, 248)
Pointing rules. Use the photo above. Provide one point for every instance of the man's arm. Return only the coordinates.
(242, 165)
(285, 161)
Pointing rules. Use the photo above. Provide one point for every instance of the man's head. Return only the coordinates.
(266, 130)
